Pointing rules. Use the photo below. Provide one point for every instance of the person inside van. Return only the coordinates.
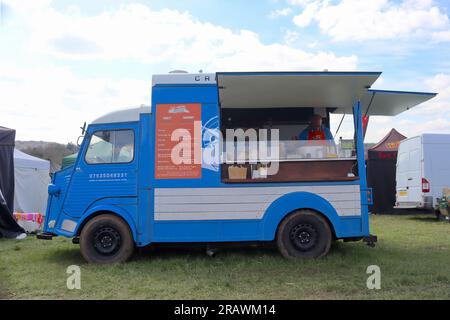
(317, 133)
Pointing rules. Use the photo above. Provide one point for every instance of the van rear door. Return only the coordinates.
(409, 174)
(401, 174)
(414, 176)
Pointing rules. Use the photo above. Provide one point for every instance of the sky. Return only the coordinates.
(66, 62)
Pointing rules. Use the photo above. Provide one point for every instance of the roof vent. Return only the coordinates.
(178, 71)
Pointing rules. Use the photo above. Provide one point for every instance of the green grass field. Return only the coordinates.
(413, 253)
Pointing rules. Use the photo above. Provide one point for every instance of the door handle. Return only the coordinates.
(410, 179)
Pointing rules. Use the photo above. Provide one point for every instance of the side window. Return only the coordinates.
(111, 147)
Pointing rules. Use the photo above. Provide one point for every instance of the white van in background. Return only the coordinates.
(423, 171)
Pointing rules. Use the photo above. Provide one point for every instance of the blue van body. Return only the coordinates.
(131, 191)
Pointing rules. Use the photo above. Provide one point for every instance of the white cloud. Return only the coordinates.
(313, 44)
(308, 15)
(430, 117)
(409, 128)
(441, 36)
(50, 103)
(440, 84)
(27, 5)
(277, 57)
(45, 102)
(284, 12)
(375, 19)
(300, 3)
(291, 36)
(439, 107)
(136, 32)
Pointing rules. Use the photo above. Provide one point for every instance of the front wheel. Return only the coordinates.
(106, 239)
(304, 234)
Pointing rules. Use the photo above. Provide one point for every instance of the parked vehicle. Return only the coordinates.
(127, 190)
(422, 171)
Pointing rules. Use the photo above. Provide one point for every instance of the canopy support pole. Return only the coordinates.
(340, 124)
(357, 113)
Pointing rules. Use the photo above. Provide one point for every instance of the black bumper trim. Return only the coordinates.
(45, 236)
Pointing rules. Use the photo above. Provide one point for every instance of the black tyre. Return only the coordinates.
(106, 239)
(304, 234)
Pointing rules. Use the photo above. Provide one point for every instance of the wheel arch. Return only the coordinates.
(107, 209)
(287, 204)
(333, 232)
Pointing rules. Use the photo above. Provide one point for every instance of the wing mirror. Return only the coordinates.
(79, 140)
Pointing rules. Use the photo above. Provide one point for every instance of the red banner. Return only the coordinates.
(365, 123)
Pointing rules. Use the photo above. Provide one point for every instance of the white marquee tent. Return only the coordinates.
(31, 182)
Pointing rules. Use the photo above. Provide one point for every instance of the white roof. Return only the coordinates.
(440, 138)
(293, 89)
(23, 160)
(124, 115)
(184, 78)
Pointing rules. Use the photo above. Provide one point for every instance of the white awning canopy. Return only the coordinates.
(392, 103)
(337, 90)
(293, 90)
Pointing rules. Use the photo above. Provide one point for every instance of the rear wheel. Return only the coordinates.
(106, 239)
(304, 234)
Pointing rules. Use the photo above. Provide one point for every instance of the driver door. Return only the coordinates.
(106, 168)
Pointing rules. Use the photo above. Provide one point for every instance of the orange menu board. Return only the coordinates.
(177, 149)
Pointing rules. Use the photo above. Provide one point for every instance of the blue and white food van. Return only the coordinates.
(164, 174)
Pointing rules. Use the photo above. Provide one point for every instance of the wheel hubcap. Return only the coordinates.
(304, 237)
(107, 241)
